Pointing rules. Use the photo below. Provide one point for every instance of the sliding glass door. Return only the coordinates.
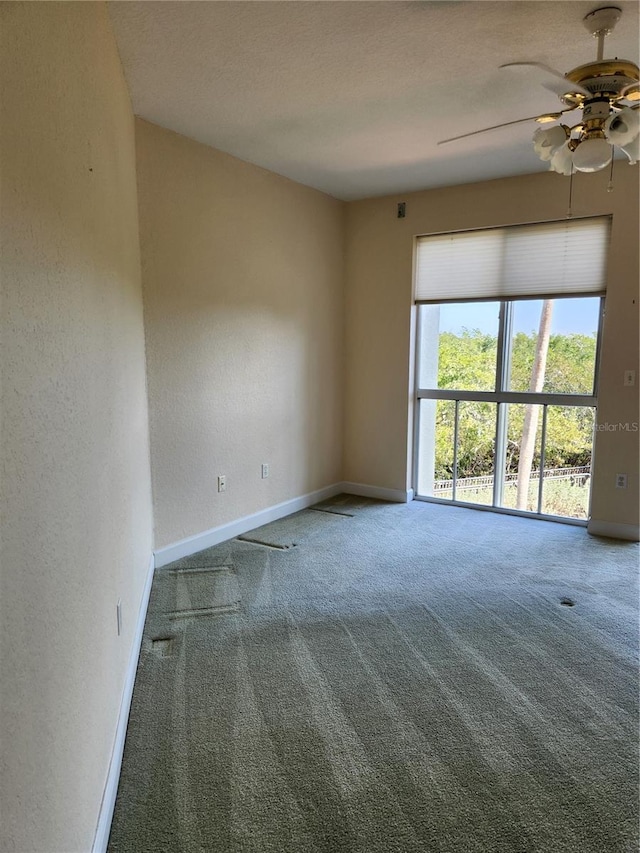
(506, 402)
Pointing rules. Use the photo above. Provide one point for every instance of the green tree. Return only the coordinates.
(467, 361)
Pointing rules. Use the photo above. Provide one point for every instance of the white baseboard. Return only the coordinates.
(113, 776)
(395, 495)
(216, 535)
(614, 530)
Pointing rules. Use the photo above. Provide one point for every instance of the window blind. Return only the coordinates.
(549, 259)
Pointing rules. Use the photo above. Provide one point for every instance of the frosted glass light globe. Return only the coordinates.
(592, 155)
(546, 141)
(623, 127)
(562, 160)
(632, 150)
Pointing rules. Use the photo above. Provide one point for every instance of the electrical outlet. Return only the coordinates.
(629, 377)
(621, 481)
(222, 483)
(265, 470)
(119, 616)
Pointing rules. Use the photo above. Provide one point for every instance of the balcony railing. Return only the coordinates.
(578, 475)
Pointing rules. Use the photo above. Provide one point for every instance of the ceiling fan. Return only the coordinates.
(607, 93)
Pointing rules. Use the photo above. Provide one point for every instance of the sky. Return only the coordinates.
(569, 315)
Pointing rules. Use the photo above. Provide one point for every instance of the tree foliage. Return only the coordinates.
(468, 362)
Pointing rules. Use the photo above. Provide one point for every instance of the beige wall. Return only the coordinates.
(76, 525)
(379, 355)
(243, 299)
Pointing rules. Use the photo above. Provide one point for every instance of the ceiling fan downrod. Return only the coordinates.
(600, 23)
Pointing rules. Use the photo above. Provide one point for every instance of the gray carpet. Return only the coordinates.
(393, 679)
(296, 529)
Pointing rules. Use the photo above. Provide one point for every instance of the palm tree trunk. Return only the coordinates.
(530, 425)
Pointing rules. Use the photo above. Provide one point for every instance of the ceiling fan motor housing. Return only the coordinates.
(610, 76)
(607, 81)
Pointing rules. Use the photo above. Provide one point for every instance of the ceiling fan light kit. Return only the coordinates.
(608, 94)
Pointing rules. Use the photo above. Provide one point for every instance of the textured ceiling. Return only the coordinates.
(352, 97)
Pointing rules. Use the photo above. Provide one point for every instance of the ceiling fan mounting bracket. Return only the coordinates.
(602, 20)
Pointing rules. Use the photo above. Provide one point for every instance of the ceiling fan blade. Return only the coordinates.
(551, 79)
(497, 126)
